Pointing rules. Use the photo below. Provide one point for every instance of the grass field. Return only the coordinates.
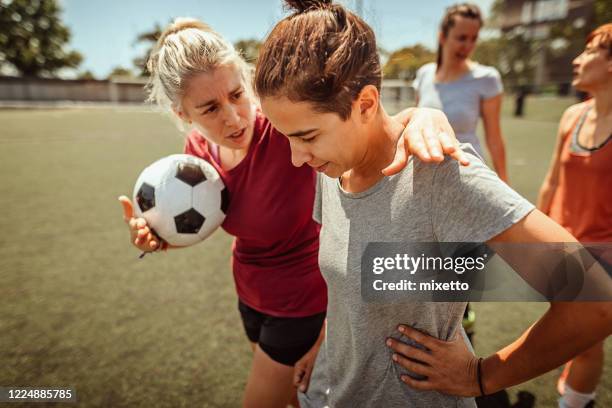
(79, 309)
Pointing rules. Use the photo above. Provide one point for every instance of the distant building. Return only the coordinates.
(534, 19)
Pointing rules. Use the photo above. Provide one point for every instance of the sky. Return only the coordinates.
(104, 31)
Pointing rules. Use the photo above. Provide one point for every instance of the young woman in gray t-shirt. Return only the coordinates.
(465, 90)
(318, 77)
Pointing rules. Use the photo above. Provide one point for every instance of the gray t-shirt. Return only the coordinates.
(423, 203)
(459, 99)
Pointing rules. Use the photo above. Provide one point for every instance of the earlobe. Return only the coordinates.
(182, 116)
(177, 112)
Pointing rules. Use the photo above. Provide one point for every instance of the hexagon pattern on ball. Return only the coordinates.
(189, 222)
(145, 198)
(186, 199)
(190, 173)
(224, 200)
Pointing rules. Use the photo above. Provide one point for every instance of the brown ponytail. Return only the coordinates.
(322, 53)
(466, 10)
(301, 6)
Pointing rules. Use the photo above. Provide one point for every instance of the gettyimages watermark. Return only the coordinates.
(468, 271)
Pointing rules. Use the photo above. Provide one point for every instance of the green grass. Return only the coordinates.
(79, 309)
(542, 108)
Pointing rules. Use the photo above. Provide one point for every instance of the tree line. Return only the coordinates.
(34, 42)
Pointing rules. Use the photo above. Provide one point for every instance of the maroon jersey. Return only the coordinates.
(275, 253)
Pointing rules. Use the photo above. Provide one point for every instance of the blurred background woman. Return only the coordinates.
(462, 88)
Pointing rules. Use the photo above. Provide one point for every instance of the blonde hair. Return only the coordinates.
(186, 48)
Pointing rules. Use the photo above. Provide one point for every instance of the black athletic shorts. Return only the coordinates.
(284, 339)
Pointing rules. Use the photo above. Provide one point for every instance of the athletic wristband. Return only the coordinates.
(479, 371)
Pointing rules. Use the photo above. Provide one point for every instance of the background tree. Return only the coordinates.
(249, 49)
(120, 72)
(512, 53)
(566, 40)
(149, 38)
(33, 38)
(488, 52)
(404, 63)
(516, 53)
(86, 75)
(603, 12)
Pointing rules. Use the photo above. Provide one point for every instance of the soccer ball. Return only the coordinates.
(182, 198)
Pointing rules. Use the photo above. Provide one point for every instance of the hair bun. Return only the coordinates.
(301, 6)
(184, 23)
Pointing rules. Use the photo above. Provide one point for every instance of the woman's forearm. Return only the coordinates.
(564, 331)
(497, 150)
(545, 197)
(491, 114)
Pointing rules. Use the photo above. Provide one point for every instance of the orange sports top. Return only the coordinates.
(582, 202)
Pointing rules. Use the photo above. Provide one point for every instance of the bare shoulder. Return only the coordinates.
(570, 116)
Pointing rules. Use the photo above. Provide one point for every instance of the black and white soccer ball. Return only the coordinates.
(182, 198)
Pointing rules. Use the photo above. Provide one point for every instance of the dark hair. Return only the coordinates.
(322, 53)
(467, 10)
(604, 33)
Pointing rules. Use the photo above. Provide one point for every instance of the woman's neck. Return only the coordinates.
(452, 70)
(230, 158)
(381, 143)
(602, 100)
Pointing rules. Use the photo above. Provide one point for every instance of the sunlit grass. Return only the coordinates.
(79, 309)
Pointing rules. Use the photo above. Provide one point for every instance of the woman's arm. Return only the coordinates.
(563, 332)
(549, 186)
(490, 110)
(302, 369)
